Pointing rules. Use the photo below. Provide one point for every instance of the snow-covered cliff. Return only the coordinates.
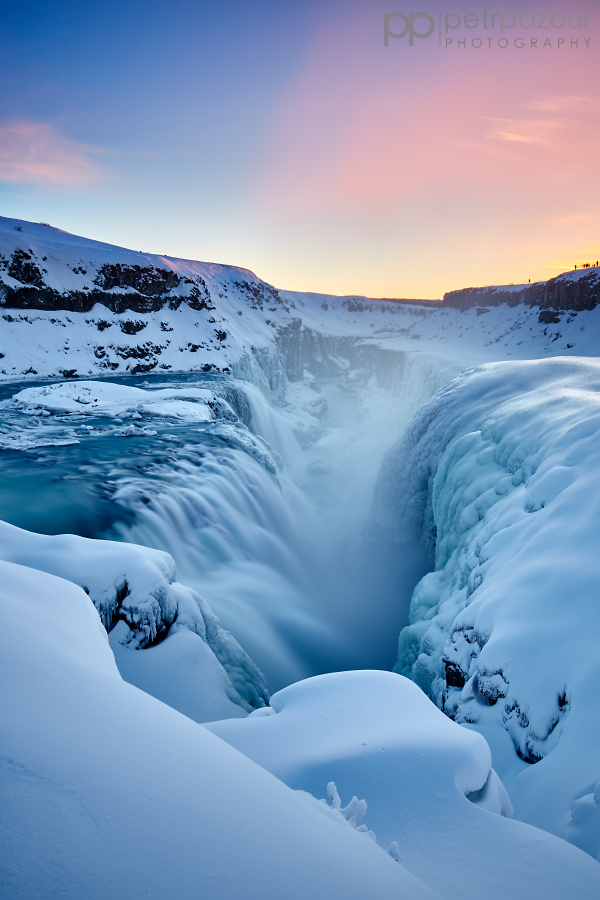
(498, 476)
(76, 308)
(573, 291)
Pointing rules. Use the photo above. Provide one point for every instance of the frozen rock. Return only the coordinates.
(166, 638)
(498, 476)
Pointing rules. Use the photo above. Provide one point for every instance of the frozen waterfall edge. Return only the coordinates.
(495, 476)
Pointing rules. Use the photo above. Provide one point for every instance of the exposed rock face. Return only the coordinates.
(303, 349)
(569, 291)
(147, 280)
(22, 269)
(119, 287)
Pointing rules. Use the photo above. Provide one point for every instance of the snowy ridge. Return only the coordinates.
(498, 476)
(95, 309)
(78, 308)
(135, 592)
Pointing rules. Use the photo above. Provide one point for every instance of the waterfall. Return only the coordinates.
(265, 523)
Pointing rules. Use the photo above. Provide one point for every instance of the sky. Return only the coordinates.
(288, 139)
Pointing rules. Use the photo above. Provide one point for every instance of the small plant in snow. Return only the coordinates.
(353, 815)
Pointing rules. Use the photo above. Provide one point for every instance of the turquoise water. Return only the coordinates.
(279, 556)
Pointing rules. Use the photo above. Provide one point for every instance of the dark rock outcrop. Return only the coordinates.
(147, 280)
(562, 293)
(119, 287)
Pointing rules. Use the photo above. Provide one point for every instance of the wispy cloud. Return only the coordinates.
(564, 125)
(35, 153)
(522, 131)
(569, 104)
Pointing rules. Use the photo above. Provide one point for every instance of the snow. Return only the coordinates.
(498, 473)
(376, 736)
(186, 658)
(243, 325)
(578, 274)
(114, 400)
(273, 450)
(107, 792)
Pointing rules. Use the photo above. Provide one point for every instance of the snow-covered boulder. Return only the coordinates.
(499, 475)
(102, 398)
(427, 782)
(165, 637)
(106, 792)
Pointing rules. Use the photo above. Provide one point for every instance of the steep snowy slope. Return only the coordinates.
(189, 661)
(106, 792)
(498, 475)
(90, 308)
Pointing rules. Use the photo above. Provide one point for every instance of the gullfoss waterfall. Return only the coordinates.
(267, 531)
(253, 487)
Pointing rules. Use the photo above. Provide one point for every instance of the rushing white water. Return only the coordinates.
(280, 558)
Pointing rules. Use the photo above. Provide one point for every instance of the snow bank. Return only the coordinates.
(377, 736)
(498, 474)
(117, 400)
(165, 637)
(106, 792)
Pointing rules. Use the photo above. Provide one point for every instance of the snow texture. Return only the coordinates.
(376, 735)
(107, 792)
(498, 475)
(165, 637)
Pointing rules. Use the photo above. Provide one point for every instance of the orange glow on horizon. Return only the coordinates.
(468, 170)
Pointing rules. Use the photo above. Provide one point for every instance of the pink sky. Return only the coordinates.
(291, 141)
(36, 153)
(482, 162)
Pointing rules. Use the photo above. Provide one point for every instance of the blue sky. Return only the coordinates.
(285, 138)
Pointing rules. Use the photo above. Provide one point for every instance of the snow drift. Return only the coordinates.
(106, 792)
(378, 737)
(188, 660)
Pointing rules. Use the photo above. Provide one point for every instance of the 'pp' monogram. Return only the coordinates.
(409, 26)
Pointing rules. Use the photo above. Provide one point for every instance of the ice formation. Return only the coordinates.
(498, 475)
(151, 402)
